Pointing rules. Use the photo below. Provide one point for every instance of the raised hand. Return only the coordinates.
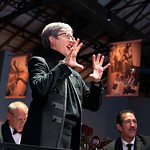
(97, 67)
(70, 59)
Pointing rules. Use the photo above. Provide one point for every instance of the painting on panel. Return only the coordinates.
(123, 75)
(18, 77)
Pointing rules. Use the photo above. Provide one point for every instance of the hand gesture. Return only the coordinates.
(70, 59)
(97, 67)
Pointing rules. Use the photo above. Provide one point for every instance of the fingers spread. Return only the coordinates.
(105, 67)
(98, 58)
(101, 61)
(76, 46)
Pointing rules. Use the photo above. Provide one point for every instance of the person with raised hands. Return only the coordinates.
(59, 93)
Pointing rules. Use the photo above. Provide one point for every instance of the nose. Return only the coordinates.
(71, 41)
(71, 38)
(132, 123)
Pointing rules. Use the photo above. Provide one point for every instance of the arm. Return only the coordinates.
(93, 98)
(42, 79)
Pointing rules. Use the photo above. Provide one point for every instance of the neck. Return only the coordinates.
(127, 139)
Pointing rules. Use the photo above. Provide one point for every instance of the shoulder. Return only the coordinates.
(36, 58)
(114, 145)
(36, 61)
(110, 146)
(144, 141)
(49, 60)
(4, 126)
(143, 138)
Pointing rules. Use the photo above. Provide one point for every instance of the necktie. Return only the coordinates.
(15, 131)
(129, 146)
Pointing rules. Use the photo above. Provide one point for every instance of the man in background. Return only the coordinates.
(127, 125)
(11, 130)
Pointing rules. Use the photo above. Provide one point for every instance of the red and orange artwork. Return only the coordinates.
(18, 77)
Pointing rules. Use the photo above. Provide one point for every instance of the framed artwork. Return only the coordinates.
(18, 77)
(123, 75)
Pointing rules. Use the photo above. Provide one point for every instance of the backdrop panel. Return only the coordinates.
(18, 77)
(123, 75)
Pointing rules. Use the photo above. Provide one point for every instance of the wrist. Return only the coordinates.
(95, 81)
(62, 61)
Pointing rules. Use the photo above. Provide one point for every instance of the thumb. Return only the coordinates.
(91, 75)
(79, 66)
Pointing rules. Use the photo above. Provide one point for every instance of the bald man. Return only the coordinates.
(11, 130)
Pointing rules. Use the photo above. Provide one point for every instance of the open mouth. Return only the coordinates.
(69, 46)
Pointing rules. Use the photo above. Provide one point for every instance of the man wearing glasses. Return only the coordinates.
(59, 93)
(11, 130)
(127, 125)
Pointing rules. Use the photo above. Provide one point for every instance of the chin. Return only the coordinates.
(66, 54)
(133, 135)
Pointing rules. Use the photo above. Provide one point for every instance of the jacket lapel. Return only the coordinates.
(118, 145)
(138, 143)
(76, 94)
(7, 137)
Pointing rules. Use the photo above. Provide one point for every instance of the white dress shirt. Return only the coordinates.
(17, 136)
(124, 143)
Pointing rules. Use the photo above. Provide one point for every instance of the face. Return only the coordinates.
(129, 127)
(17, 118)
(63, 42)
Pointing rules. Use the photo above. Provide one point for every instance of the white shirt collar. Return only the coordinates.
(16, 137)
(124, 143)
(11, 129)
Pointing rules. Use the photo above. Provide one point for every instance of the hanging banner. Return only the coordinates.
(18, 77)
(123, 75)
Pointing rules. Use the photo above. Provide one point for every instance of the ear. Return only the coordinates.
(8, 115)
(52, 40)
(118, 126)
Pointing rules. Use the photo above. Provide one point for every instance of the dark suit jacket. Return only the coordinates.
(5, 133)
(141, 143)
(48, 79)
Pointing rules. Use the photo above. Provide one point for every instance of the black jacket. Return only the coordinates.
(48, 80)
(5, 133)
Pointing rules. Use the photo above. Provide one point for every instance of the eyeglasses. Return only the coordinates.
(68, 36)
(19, 120)
(130, 121)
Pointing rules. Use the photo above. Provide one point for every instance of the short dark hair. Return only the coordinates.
(119, 116)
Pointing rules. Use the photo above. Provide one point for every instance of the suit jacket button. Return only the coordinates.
(57, 91)
(53, 104)
(54, 119)
(54, 90)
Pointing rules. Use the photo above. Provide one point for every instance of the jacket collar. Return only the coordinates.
(55, 53)
(137, 144)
